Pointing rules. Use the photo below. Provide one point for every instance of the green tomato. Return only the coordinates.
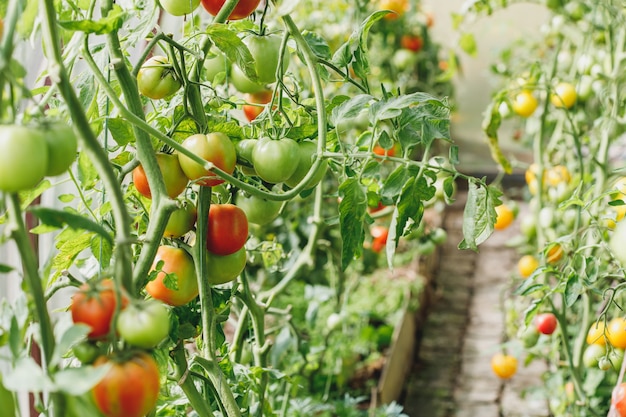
(179, 7)
(404, 59)
(215, 65)
(86, 352)
(308, 150)
(244, 84)
(181, 220)
(144, 324)
(275, 160)
(23, 158)
(258, 210)
(592, 355)
(438, 236)
(530, 336)
(616, 356)
(156, 78)
(225, 268)
(266, 53)
(62, 147)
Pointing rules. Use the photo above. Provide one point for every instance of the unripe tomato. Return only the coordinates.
(266, 53)
(181, 220)
(86, 352)
(179, 7)
(592, 355)
(527, 265)
(530, 336)
(503, 365)
(216, 148)
(258, 210)
(225, 268)
(618, 399)
(242, 10)
(144, 324)
(546, 323)
(275, 161)
(157, 79)
(62, 147)
(504, 217)
(595, 335)
(524, 103)
(23, 158)
(176, 283)
(257, 100)
(307, 151)
(227, 229)
(244, 84)
(616, 332)
(130, 388)
(214, 65)
(564, 95)
(94, 305)
(173, 176)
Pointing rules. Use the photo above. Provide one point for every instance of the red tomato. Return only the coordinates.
(214, 147)
(546, 323)
(412, 42)
(228, 229)
(243, 9)
(252, 111)
(173, 175)
(94, 306)
(130, 388)
(379, 150)
(379, 237)
(618, 399)
(176, 283)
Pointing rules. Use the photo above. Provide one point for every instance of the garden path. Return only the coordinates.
(451, 374)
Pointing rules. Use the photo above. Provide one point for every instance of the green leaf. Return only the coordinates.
(352, 211)
(26, 21)
(7, 400)
(102, 249)
(87, 174)
(27, 376)
(573, 290)
(467, 42)
(110, 23)
(397, 180)
(233, 47)
(70, 244)
(491, 124)
(78, 381)
(479, 215)
(71, 336)
(4, 269)
(349, 109)
(59, 218)
(530, 312)
(121, 130)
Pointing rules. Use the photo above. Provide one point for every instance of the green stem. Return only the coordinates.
(199, 404)
(219, 382)
(89, 143)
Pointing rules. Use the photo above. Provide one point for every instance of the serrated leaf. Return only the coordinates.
(70, 244)
(350, 108)
(318, 44)
(121, 130)
(110, 23)
(397, 180)
(573, 290)
(352, 211)
(102, 249)
(479, 215)
(60, 218)
(233, 47)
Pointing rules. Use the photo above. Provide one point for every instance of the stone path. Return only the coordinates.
(452, 375)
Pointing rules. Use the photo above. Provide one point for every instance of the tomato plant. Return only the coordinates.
(62, 147)
(181, 220)
(307, 153)
(94, 305)
(144, 324)
(173, 175)
(156, 79)
(227, 229)
(130, 388)
(242, 10)
(216, 148)
(175, 282)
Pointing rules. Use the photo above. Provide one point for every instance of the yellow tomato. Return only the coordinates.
(504, 217)
(557, 175)
(595, 335)
(397, 6)
(616, 332)
(527, 265)
(554, 253)
(524, 104)
(504, 365)
(564, 95)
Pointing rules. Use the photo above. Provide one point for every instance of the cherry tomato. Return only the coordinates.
(307, 151)
(525, 104)
(252, 111)
(526, 265)
(379, 237)
(62, 147)
(144, 324)
(181, 220)
(618, 399)
(173, 175)
(225, 268)
(94, 305)
(176, 283)
(503, 365)
(504, 217)
(595, 335)
(554, 254)
(412, 42)
(130, 388)
(616, 332)
(564, 95)
(242, 10)
(546, 323)
(23, 158)
(275, 160)
(216, 148)
(156, 78)
(258, 210)
(227, 229)
(592, 355)
(179, 7)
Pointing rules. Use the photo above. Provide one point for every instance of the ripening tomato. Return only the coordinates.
(379, 237)
(225, 268)
(23, 158)
(181, 220)
(176, 283)
(157, 79)
(62, 147)
(525, 103)
(275, 161)
(257, 102)
(564, 95)
(307, 151)
(216, 148)
(144, 324)
(130, 388)
(242, 10)
(412, 42)
(175, 179)
(554, 253)
(94, 305)
(618, 399)
(503, 365)
(546, 323)
(227, 229)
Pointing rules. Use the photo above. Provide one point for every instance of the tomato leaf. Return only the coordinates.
(102, 249)
(27, 376)
(396, 181)
(349, 109)
(77, 381)
(4, 269)
(573, 289)
(110, 23)
(479, 215)
(233, 47)
(70, 244)
(59, 218)
(318, 44)
(121, 130)
(352, 211)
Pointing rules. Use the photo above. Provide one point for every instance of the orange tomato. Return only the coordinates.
(503, 365)
(504, 217)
